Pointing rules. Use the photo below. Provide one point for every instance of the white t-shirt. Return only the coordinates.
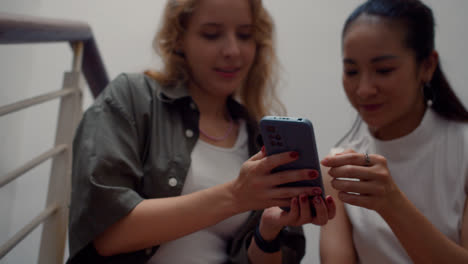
(210, 166)
(430, 166)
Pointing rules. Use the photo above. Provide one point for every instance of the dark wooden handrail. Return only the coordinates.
(17, 29)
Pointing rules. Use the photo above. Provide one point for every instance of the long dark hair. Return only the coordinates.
(418, 20)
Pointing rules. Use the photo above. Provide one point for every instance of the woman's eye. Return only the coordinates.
(350, 72)
(385, 71)
(244, 36)
(210, 36)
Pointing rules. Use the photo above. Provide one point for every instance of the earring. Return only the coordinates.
(428, 93)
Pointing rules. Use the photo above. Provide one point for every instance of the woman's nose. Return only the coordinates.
(366, 86)
(231, 46)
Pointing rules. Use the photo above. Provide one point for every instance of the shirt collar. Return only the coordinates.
(173, 93)
(409, 145)
(168, 93)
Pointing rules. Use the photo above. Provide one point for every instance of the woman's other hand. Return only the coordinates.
(363, 180)
(275, 218)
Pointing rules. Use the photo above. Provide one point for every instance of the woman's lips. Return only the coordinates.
(371, 107)
(227, 73)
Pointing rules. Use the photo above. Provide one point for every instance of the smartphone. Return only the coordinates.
(281, 134)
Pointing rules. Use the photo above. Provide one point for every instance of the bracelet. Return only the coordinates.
(267, 246)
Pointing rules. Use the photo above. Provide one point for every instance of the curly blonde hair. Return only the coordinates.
(258, 94)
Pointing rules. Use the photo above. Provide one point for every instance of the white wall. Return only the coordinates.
(309, 50)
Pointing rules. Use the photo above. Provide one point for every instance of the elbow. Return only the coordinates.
(104, 248)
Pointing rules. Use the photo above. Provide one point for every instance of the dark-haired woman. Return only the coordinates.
(401, 179)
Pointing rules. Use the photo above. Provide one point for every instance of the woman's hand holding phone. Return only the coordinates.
(283, 179)
(257, 187)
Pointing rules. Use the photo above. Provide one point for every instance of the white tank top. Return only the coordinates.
(430, 166)
(210, 166)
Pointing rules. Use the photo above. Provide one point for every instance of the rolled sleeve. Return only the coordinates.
(107, 171)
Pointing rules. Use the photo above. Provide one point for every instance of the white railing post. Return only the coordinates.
(54, 232)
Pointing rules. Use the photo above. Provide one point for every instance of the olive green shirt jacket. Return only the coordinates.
(134, 143)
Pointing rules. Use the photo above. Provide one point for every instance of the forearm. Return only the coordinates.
(336, 244)
(423, 242)
(336, 241)
(155, 221)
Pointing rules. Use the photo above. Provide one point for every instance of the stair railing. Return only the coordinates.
(17, 29)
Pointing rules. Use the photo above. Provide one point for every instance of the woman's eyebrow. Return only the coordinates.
(348, 61)
(373, 60)
(211, 24)
(246, 26)
(383, 58)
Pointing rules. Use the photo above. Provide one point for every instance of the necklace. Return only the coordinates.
(228, 132)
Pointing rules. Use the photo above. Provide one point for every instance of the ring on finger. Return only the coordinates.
(367, 161)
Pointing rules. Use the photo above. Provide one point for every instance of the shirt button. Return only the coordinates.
(189, 133)
(172, 182)
(193, 106)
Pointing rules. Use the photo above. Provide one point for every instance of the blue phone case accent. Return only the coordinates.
(281, 134)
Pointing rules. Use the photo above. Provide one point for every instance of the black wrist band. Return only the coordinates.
(267, 246)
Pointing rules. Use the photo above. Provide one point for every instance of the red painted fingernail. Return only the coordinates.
(263, 149)
(329, 199)
(313, 174)
(317, 200)
(294, 154)
(294, 200)
(303, 198)
(317, 191)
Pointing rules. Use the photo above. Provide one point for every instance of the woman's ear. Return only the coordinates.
(429, 66)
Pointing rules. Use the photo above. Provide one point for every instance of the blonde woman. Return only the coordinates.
(161, 169)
